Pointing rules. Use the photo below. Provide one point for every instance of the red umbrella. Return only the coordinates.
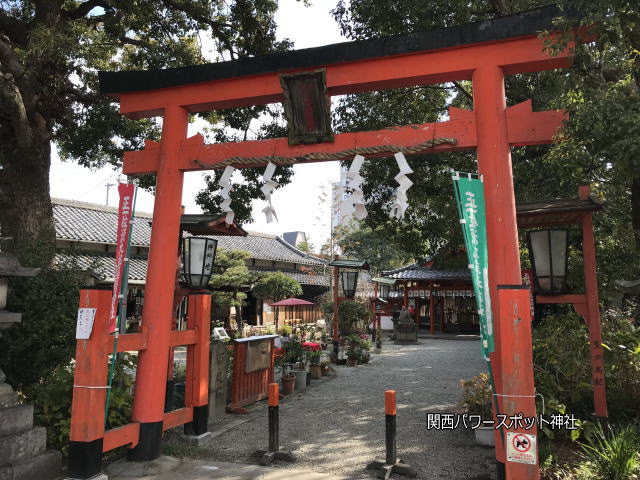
(292, 302)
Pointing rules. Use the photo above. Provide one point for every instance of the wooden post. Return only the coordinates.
(494, 163)
(593, 310)
(148, 402)
(90, 390)
(518, 395)
(197, 388)
(405, 298)
(432, 312)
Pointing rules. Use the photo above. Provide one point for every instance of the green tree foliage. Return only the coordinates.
(276, 286)
(351, 314)
(231, 275)
(46, 336)
(598, 145)
(361, 242)
(50, 51)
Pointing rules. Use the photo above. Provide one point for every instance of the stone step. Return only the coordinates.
(15, 419)
(8, 398)
(46, 466)
(23, 445)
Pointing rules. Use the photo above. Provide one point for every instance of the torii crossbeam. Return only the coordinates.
(483, 53)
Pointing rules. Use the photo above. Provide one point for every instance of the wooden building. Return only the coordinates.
(86, 239)
(441, 301)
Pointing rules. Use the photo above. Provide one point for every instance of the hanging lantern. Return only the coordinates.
(198, 255)
(384, 290)
(548, 249)
(349, 282)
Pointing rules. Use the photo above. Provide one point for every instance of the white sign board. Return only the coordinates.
(521, 448)
(84, 325)
(219, 333)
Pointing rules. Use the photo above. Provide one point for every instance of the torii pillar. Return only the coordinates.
(148, 401)
(494, 163)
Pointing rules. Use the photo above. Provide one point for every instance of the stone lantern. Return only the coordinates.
(9, 267)
(22, 449)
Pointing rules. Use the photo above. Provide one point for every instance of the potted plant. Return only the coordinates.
(364, 356)
(314, 361)
(476, 400)
(288, 380)
(324, 367)
(352, 357)
(296, 355)
(284, 331)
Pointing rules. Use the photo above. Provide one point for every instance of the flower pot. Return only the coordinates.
(301, 379)
(484, 436)
(288, 385)
(324, 371)
(316, 372)
(352, 362)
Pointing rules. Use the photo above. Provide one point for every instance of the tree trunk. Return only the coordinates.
(635, 210)
(26, 214)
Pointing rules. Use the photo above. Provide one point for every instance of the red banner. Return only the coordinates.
(125, 210)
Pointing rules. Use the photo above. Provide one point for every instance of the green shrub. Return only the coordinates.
(350, 314)
(561, 363)
(621, 338)
(476, 396)
(45, 338)
(52, 400)
(613, 454)
(284, 330)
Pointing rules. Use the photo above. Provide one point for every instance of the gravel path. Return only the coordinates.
(338, 426)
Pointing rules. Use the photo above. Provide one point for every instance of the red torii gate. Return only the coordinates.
(483, 53)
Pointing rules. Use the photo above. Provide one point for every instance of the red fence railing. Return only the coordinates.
(253, 362)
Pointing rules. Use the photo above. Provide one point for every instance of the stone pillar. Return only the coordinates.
(218, 380)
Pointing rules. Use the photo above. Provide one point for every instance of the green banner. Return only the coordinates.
(469, 191)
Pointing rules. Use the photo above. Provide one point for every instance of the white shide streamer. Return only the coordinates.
(355, 206)
(400, 202)
(267, 190)
(227, 188)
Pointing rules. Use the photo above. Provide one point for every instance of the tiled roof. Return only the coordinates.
(85, 222)
(102, 266)
(304, 278)
(267, 247)
(421, 272)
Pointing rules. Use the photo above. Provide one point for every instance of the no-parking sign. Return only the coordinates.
(521, 448)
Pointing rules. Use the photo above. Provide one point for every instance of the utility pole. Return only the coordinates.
(108, 185)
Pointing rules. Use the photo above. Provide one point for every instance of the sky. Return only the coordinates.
(298, 205)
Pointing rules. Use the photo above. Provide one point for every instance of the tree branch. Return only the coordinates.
(84, 8)
(133, 41)
(216, 27)
(463, 90)
(8, 59)
(17, 111)
(13, 28)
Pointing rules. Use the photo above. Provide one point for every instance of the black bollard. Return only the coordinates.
(392, 463)
(274, 452)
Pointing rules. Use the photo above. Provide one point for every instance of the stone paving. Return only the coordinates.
(337, 427)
